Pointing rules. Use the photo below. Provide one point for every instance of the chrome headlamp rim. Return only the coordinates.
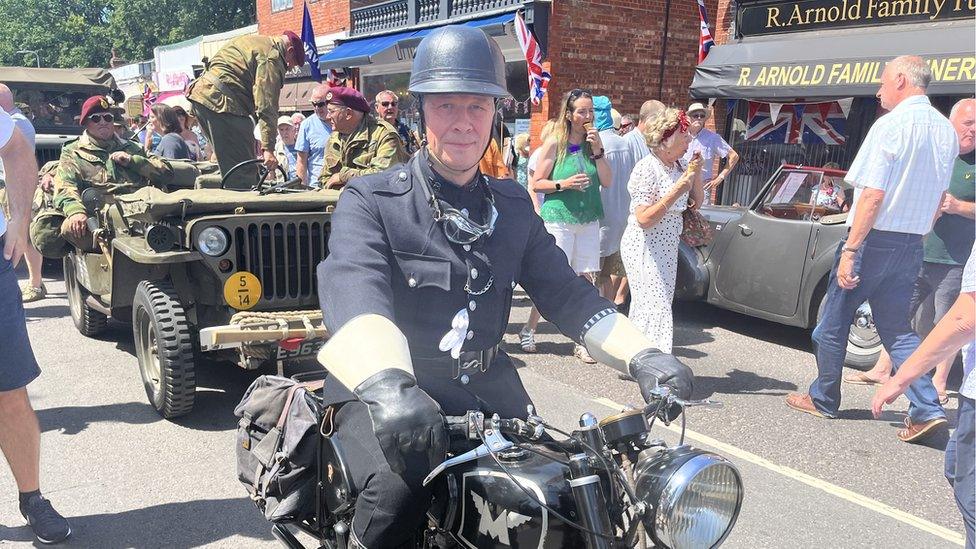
(206, 233)
(674, 470)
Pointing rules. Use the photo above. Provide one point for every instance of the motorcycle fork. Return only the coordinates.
(591, 505)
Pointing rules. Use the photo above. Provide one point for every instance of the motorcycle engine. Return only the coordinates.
(693, 497)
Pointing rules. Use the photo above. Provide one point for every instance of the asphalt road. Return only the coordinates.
(127, 478)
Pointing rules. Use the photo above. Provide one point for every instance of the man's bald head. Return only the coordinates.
(650, 109)
(6, 98)
(963, 118)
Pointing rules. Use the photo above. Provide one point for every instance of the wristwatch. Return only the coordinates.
(846, 249)
(558, 186)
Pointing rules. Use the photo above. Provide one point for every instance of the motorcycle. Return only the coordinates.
(608, 484)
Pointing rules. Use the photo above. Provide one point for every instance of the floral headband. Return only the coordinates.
(682, 125)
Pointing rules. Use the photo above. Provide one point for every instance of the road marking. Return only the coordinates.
(843, 493)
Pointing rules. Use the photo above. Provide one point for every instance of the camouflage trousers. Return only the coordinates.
(232, 137)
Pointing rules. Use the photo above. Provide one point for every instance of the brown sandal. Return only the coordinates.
(861, 378)
(913, 432)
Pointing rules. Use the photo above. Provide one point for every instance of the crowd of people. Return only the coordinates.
(613, 191)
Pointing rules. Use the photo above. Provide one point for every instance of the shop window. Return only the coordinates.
(515, 113)
(759, 159)
(281, 5)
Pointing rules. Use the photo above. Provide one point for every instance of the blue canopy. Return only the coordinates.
(355, 53)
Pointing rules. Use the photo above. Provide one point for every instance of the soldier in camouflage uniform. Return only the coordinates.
(242, 82)
(100, 159)
(360, 144)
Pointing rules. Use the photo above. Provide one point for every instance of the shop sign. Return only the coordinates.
(945, 69)
(804, 15)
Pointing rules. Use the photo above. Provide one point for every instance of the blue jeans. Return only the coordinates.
(888, 264)
(960, 462)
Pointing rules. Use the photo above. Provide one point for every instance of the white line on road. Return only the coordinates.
(815, 482)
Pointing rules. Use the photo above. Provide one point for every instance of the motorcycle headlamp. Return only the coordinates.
(693, 497)
(213, 241)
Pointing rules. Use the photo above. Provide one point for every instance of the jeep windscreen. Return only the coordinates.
(52, 112)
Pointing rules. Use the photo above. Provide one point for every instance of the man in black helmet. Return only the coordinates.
(436, 249)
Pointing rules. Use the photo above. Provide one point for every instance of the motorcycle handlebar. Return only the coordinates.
(470, 425)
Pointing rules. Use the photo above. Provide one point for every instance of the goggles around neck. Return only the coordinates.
(458, 228)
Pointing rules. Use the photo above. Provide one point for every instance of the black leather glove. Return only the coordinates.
(651, 368)
(405, 419)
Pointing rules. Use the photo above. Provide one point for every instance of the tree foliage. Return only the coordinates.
(82, 33)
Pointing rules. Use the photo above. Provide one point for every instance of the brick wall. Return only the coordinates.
(328, 16)
(614, 48)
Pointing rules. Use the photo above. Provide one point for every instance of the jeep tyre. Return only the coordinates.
(863, 342)
(164, 348)
(88, 321)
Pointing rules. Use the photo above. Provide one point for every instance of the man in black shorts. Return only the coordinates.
(20, 433)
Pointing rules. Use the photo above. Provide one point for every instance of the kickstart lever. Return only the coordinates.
(493, 440)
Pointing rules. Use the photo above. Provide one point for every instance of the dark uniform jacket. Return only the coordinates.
(387, 256)
(373, 147)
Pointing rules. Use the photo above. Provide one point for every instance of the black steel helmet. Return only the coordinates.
(458, 59)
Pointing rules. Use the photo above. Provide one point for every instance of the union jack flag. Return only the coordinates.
(798, 123)
(148, 99)
(705, 41)
(538, 78)
(334, 80)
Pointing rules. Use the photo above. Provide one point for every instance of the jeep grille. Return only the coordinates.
(283, 255)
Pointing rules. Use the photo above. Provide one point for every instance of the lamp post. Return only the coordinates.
(37, 56)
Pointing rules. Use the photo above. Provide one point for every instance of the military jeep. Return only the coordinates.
(203, 269)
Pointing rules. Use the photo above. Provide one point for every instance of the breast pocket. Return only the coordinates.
(424, 271)
(425, 279)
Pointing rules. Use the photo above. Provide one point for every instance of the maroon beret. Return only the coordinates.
(293, 41)
(348, 97)
(92, 105)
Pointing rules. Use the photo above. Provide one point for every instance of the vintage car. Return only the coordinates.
(52, 99)
(772, 258)
(203, 270)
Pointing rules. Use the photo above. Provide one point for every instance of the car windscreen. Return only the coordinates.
(51, 111)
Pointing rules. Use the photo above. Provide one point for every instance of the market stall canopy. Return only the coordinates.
(359, 52)
(65, 79)
(837, 63)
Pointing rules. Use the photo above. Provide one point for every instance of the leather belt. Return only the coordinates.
(473, 360)
(466, 362)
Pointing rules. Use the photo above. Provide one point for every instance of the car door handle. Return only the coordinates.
(745, 230)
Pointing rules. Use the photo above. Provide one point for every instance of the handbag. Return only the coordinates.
(695, 230)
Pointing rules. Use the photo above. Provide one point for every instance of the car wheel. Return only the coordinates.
(863, 342)
(164, 348)
(89, 322)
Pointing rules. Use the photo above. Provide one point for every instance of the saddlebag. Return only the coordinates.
(277, 445)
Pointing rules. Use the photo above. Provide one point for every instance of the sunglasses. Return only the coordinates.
(699, 115)
(97, 118)
(319, 104)
(388, 103)
(579, 92)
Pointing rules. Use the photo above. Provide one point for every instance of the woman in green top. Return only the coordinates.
(570, 172)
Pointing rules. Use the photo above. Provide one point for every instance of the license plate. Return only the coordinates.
(306, 348)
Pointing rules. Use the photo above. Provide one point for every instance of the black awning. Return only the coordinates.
(829, 64)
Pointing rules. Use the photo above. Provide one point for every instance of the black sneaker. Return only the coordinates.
(48, 525)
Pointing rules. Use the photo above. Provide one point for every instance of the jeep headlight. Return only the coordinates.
(693, 497)
(213, 241)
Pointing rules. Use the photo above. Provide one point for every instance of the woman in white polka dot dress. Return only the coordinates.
(659, 193)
